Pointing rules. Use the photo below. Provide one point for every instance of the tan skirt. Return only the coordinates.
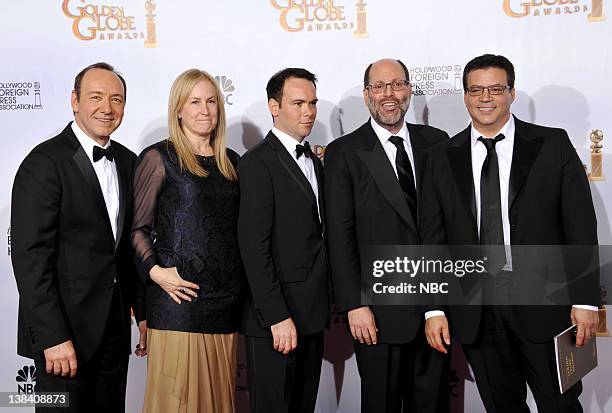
(190, 372)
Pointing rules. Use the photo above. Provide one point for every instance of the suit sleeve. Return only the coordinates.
(255, 233)
(35, 215)
(431, 223)
(342, 237)
(579, 227)
(431, 218)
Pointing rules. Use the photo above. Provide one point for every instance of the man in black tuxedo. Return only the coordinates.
(372, 181)
(281, 229)
(505, 182)
(71, 215)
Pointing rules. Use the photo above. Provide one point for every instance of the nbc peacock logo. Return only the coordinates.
(26, 379)
(227, 87)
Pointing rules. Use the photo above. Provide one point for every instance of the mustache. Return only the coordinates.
(389, 100)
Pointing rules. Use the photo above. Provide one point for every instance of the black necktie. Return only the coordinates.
(99, 153)
(491, 227)
(303, 150)
(405, 174)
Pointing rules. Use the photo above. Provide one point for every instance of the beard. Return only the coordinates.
(393, 119)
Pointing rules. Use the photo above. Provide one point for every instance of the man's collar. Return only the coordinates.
(288, 141)
(86, 142)
(507, 130)
(384, 135)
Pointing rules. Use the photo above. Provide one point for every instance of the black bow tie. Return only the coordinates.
(303, 150)
(99, 153)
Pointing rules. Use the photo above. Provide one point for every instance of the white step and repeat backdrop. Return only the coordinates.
(562, 50)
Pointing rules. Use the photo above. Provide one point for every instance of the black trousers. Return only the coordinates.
(409, 377)
(503, 362)
(99, 385)
(281, 383)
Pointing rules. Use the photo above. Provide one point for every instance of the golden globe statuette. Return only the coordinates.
(596, 173)
(151, 40)
(361, 29)
(319, 151)
(602, 329)
(597, 12)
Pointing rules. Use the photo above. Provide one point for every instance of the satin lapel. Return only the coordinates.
(291, 166)
(376, 161)
(523, 155)
(122, 177)
(418, 144)
(318, 167)
(459, 155)
(87, 170)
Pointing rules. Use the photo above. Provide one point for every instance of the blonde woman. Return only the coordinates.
(184, 236)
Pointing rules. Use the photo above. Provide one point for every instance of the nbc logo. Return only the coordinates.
(26, 378)
(227, 86)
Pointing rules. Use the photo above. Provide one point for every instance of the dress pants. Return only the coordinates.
(99, 385)
(503, 361)
(281, 383)
(408, 378)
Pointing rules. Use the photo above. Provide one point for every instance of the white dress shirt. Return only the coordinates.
(390, 148)
(504, 149)
(106, 171)
(305, 164)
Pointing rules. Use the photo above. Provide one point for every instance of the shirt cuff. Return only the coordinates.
(433, 313)
(586, 307)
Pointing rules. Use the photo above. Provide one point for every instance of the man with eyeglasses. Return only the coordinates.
(372, 184)
(506, 183)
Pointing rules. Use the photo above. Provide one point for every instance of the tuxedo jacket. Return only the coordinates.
(282, 241)
(549, 204)
(64, 255)
(366, 206)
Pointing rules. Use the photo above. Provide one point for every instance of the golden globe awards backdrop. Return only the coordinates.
(562, 51)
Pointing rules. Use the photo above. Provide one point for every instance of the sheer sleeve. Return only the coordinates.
(149, 177)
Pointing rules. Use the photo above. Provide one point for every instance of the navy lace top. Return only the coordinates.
(188, 222)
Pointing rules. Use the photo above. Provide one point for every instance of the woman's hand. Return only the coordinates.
(141, 347)
(170, 280)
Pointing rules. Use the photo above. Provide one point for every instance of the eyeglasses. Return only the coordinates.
(380, 87)
(493, 90)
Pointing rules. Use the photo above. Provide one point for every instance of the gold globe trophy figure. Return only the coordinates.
(602, 329)
(361, 29)
(597, 11)
(151, 40)
(596, 174)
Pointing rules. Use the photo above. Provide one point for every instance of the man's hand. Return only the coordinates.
(141, 347)
(363, 326)
(587, 322)
(436, 330)
(61, 359)
(284, 336)
(170, 280)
